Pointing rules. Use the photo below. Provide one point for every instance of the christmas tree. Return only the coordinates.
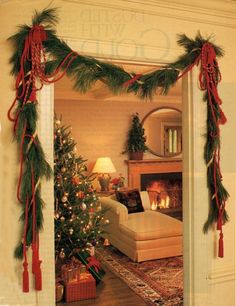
(79, 218)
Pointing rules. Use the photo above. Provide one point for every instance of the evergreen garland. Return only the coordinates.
(85, 71)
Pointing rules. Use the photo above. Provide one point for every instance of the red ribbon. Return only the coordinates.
(132, 80)
(94, 263)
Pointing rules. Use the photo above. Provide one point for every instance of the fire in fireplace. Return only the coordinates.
(164, 189)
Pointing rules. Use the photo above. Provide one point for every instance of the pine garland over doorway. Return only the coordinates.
(40, 58)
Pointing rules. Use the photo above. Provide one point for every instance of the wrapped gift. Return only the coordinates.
(70, 271)
(59, 290)
(84, 288)
(92, 264)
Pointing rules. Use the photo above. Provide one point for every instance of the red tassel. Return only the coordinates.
(221, 246)
(38, 276)
(25, 277)
(222, 119)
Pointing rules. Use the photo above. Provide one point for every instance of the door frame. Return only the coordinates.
(195, 292)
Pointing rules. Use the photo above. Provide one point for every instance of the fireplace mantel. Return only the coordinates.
(138, 167)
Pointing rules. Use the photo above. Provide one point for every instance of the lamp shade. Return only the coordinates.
(104, 165)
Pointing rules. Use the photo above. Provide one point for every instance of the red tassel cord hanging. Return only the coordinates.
(25, 264)
(31, 78)
(209, 78)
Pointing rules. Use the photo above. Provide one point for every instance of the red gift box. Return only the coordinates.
(84, 288)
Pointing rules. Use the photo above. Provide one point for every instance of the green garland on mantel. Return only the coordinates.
(35, 45)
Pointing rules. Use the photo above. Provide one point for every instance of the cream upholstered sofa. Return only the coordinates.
(145, 235)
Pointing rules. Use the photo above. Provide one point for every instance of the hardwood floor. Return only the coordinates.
(111, 292)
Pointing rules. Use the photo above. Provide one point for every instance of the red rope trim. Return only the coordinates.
(25, 264)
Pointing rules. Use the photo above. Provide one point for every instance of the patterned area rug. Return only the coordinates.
(157, 282)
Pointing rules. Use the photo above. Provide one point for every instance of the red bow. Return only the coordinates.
(93, 262)
(38, 34)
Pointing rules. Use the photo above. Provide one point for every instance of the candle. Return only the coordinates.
(170, 138)
(175, 141)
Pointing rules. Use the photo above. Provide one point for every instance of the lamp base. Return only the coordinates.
(104, 181)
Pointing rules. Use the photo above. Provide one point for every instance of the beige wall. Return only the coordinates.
(141, 32)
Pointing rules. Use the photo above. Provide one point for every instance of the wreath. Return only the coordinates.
(40, 58)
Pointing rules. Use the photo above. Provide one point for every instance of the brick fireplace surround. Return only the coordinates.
(145, 166)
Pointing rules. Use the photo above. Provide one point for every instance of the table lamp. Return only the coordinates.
(103, 167)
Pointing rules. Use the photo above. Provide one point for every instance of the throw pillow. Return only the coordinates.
(131, 199)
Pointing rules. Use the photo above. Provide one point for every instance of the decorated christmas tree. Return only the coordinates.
(79, 218)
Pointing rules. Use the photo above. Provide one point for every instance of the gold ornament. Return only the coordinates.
(71, 231)
(83, 206)
(62, 219)
(62, 254)
(56, 215)
(63, 169)
(64, 199)
(58, 122)
(107, 221)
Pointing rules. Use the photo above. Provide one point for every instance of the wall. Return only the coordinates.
(142, 31)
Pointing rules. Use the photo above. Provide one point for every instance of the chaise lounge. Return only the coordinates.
(145, 235)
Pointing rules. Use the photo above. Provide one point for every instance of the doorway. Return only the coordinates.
(99, 117)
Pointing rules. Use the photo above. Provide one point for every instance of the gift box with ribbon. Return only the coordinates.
(84, 288)
(92, 264)
(70, 271)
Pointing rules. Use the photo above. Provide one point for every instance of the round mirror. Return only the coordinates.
(163, 129)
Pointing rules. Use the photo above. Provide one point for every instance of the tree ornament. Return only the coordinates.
(56, 215)
(63, 169)
(62, 254)
(107, 221)
(59, 131)
(62, 219)
(75, 180)
(64, 199)
(83, 206)
(71, 231)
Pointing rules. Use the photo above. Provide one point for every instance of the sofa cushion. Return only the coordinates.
(131, 199)
(151, 225)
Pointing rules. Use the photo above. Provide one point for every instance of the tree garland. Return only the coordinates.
(39, 41)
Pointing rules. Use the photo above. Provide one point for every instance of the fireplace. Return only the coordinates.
(164, 189)
(162, 178)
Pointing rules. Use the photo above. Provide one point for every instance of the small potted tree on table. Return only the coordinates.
(136, 141)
